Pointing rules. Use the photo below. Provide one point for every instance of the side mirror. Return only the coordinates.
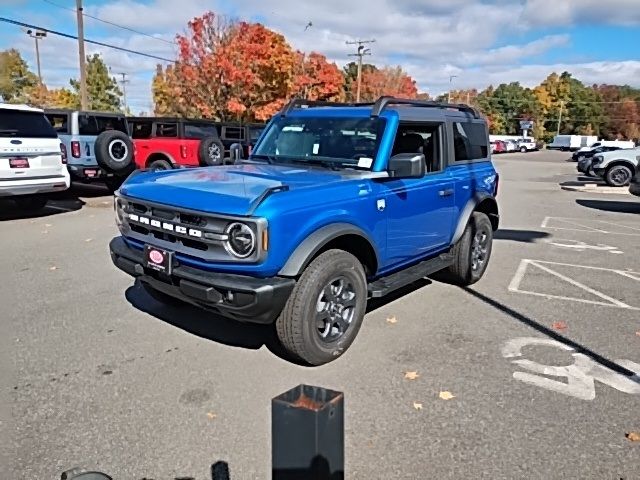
(407, 165)
(236, 152)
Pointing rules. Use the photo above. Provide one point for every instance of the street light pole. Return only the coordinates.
(37, 35)
(451, 77)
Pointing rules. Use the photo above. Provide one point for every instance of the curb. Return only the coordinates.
(595, 188)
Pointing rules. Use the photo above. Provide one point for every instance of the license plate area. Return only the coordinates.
(158, 259)
(90, 172)
(19, 162)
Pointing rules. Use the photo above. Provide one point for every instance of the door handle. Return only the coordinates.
(446, 193)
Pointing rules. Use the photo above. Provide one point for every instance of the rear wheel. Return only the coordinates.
(160, 164)
(325, 310)
(472, 252)
(618, 176)
(523, 149)
(31, 204)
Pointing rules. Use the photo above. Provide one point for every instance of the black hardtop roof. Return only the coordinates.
(88, 112)
(418, 109)
(194, 120)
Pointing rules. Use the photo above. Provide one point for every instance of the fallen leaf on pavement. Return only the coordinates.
(392, 319)
(45, 231)
(48, 225)
(89, 240)
(447, 395)
(559, 326)
(53, 268)
(417, 406)
(211, 415)
(411, 375)
(633, 436)
(638, 333)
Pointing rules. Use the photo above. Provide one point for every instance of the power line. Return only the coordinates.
(94, 42)
(170, 42)
(361, 52)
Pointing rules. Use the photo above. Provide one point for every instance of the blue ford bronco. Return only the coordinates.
(337, 204)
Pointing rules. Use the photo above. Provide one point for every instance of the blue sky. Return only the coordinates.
(481, 42)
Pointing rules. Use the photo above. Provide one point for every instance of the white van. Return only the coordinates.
(572, 142)
(32, 159)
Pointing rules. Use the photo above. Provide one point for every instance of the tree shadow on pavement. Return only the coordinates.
(611, 205)
(525, 236)
(605, 362)
(208, 325)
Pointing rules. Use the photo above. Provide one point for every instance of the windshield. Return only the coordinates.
(345, 142)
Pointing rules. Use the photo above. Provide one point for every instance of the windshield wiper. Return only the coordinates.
(316, 161)
(8, 130)
(261, 156)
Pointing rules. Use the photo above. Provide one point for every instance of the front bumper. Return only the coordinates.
(584, 165)
(599, 171)
(240, 297)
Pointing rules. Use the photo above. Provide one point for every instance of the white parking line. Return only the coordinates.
(586, 228)
(514, 285)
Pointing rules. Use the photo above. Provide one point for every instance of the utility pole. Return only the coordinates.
(123, 82)
(361, 52)
(451, 77)
(560, 116)
(83, 71)
(37, 35)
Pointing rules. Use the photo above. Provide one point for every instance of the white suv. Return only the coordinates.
(616, 167)
(32, 159)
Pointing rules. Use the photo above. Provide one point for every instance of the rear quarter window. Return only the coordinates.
(469, 141)
(167, 130)
(198, 131)
(141, 130)
(17, 123)
(233, 133)
(59, 122)
(96, 124)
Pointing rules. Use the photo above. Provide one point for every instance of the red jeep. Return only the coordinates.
(166, 143)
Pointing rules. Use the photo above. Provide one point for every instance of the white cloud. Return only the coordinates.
(566, 12)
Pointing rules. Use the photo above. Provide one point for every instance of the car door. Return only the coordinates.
(419, 211)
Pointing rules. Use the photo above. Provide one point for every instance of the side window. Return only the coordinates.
(421, 138)
(233, 133)
(140, 130)
(469, 141)
(59, 122)
(87, 125)
(166, 130)
(198, 131)
(111, 123)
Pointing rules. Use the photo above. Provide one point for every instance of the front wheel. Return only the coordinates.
(618, 176)
(523, 149)
(160, 164)
(325, 310)
(472, 252)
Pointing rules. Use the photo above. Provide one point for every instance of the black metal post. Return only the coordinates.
(307, 434)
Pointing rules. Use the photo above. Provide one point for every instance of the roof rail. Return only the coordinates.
(302, 103)
(383, 102)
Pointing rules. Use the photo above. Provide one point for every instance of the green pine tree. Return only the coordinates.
(103, 94)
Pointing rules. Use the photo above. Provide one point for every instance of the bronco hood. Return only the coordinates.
(229, 190)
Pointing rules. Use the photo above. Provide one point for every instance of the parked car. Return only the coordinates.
(585, 159)
(616, 167)
(527, 145)
(609, 143)
(97, 143)
(168, 143)
(322, 216)
(498, 146)
(510, 146)
(634, 184)
(245, 134)
(32, 159)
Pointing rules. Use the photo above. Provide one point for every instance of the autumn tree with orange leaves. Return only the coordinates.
(392, 81)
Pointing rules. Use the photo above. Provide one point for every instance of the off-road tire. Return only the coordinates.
(461, 271)
(296, 326)
(159, 296)
(33, 203)
(615, 174)
(114, 151)
(160, 164)
(211, 152)
(523, 149)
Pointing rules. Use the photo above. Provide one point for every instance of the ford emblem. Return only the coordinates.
(16, 142)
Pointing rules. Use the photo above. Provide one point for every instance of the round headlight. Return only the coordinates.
(241, 241)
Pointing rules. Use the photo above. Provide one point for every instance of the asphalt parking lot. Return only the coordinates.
(534, 372)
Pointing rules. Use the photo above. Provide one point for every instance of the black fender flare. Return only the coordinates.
(306, 251)
(468, 209)
(168, 156)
